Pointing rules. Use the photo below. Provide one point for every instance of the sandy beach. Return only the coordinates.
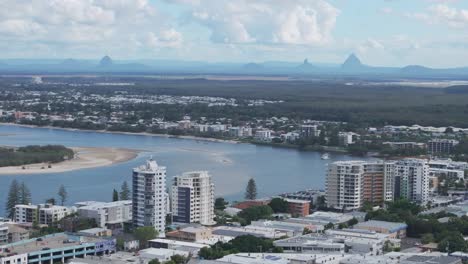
(85, 157)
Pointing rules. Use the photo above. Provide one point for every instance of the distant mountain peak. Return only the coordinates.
(352, 63)
(305, 66)
(106, 61)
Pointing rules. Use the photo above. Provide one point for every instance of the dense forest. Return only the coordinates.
(354, 101)
(34, 154)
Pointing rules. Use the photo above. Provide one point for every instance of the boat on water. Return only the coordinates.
(325, 156)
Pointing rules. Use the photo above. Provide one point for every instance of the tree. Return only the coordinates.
(13, 199)
(329, 226)
(321, 202)
(220, 203)
(279, 205)
(145, 233)
(125, 192)
(115, 196)
(24, 194)
(178, 259)
(353, 221)
(62, 193)
(453, 242)
(50, 201)
(154, 261)
(427, 238)
(251, 190)
(255, 213)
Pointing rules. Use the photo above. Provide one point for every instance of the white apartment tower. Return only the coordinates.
(193, 198)
(343, 185)
(149, 196)
(411, 178)
(351, 183)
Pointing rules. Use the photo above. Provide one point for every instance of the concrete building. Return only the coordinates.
(291, 228)
(50, 214)
(394, 230)
(307, 131)
(441, 146)
(350, 183)
(161, 254)
(310, 244)
(107, 215)
(298, 208)
(257, 231)
(190, 247)
(193, 198)
(149, 196)
(44, 214)
(405, 145)
(3, 234)
(25, 213)
(263, 135)
(347, 138)
(191, 234)
(411, 180)
(55, 248)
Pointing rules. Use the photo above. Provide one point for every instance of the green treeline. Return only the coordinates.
(34, 154)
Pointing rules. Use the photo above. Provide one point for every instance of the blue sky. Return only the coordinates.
(380, 32)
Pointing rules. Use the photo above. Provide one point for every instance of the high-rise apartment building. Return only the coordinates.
(351, 183)
(193, 198)
(411, 178)
(149, 196)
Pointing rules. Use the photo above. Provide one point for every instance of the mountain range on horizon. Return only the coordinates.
(351, 66)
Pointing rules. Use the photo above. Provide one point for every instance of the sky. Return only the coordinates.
(433, 33)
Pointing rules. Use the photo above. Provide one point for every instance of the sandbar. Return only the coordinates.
(85, 158)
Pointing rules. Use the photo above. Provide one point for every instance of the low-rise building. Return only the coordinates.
(394, 230)
(3, 234)
(192, 234)
(54, 248)
(107, 215)
(298, 208)
(190, 247)
(292, 229)
(43, 214)
(161, 254)
(257, 231)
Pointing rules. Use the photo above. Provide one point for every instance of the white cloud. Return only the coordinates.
(100, 24)
(307, 22)
(444, 15)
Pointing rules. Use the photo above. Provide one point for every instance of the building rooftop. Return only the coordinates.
(54, 241)
(94, 205)
(391, 226)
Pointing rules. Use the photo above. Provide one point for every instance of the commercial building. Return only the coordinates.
(298, 208)
(411, 180)
(359, 241)
(161, 254)
(107, 215)
(54, 248)
(291, 228)
(257, 231)
(193, 198)
(394, 230)
(149, 196)
(310, 244)
(441, 146)
(190, 247)
(322, 218)
(191, 234)
(44, 214)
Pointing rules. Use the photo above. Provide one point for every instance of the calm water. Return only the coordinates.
(275, 170)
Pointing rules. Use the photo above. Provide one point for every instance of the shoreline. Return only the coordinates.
(230, 141)
(85, 158)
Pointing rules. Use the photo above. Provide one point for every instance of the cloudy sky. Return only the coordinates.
(381, 32)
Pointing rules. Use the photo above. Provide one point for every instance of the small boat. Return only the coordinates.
(325, 156)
